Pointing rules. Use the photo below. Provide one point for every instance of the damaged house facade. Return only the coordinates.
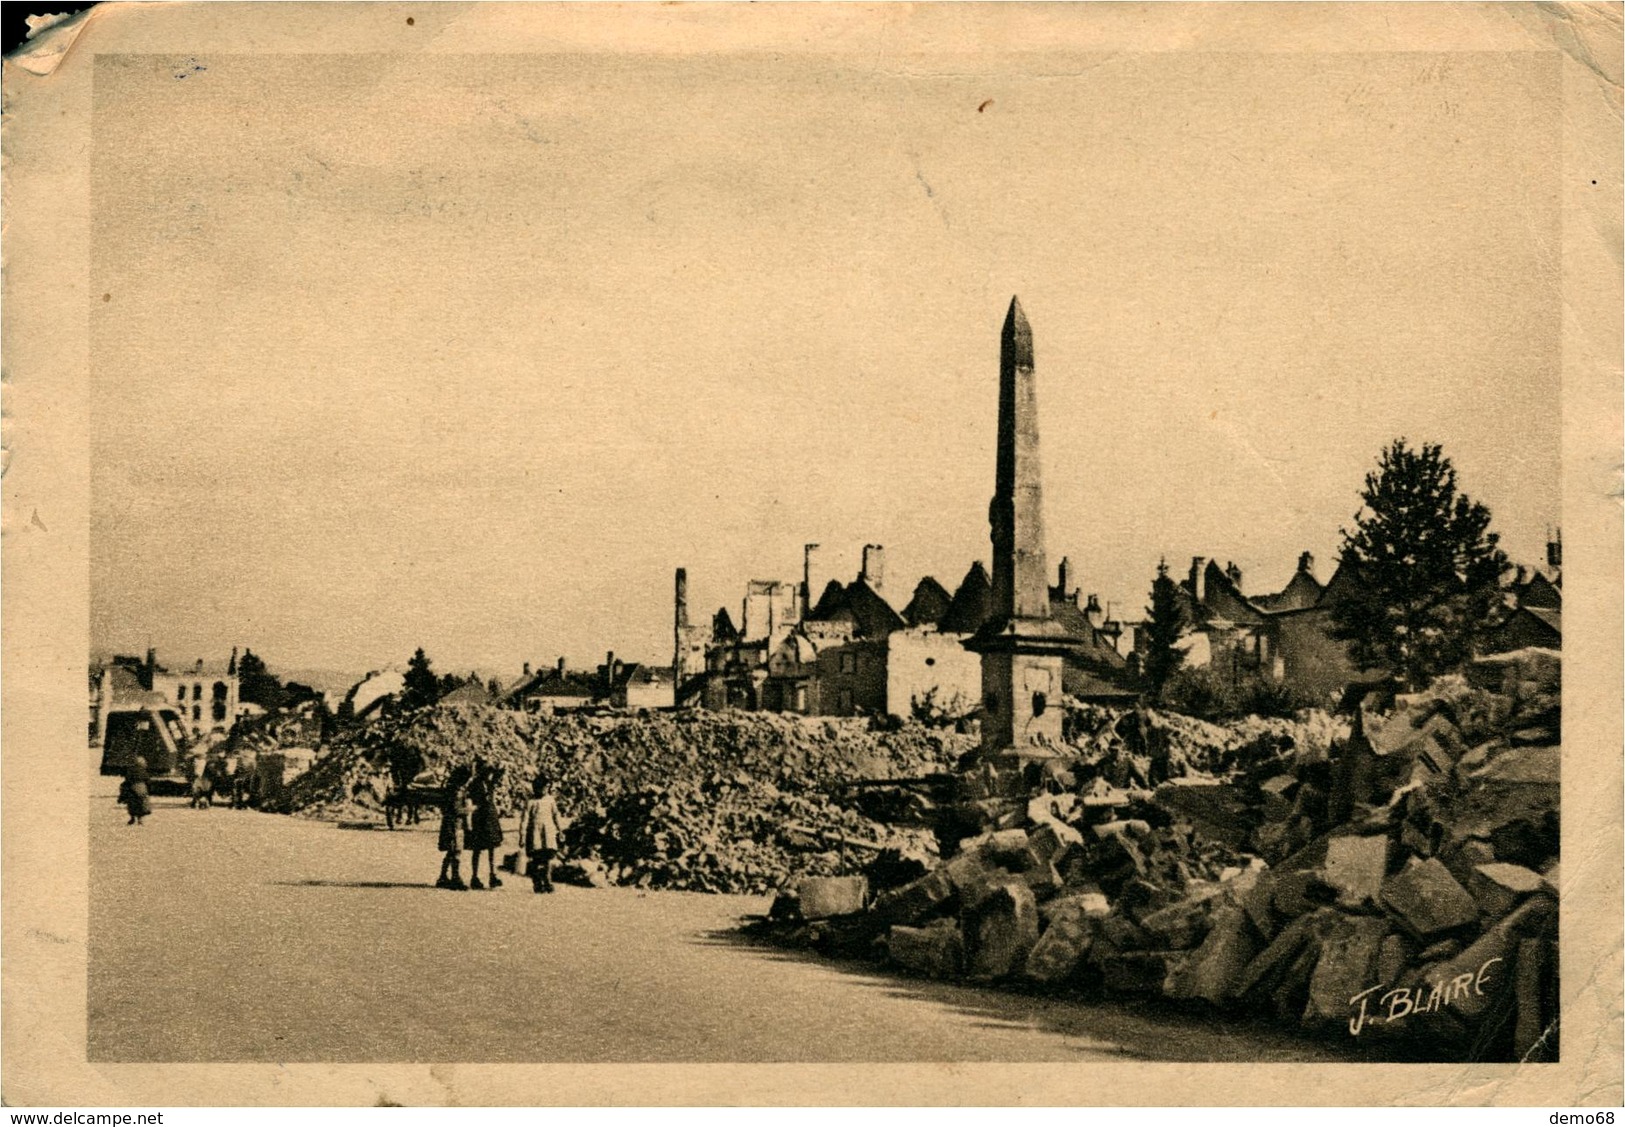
(854, 653)
(1288, 636)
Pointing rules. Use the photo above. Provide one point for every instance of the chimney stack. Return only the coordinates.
(1093, 613)
(1069, 593)
(1199, 578)
(681, 618)
(807, 551)
(874, 565)
(1554, 548)
(527, 669)
(1306, 564)
(561, 665)
(1233, 573)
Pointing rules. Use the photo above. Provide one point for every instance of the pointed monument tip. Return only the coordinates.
(1018, 336)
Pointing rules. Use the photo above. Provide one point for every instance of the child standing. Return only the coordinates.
(539, 833)
(454, 810)
(485, 828)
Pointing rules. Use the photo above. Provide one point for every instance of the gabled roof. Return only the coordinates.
(971, 604)
(551, 683)
(472, 692)
(649, 675)
(722, 627)
(1302, 592)
(871, 615)
(1551, 617)
(1221, 599)
(830, 603)
(1540, 593)
(1096, 651)
(930, 602)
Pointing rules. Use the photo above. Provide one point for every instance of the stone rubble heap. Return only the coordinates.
(1397, 885)
(709, 801)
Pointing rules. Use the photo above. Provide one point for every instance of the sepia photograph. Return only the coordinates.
(896, 535)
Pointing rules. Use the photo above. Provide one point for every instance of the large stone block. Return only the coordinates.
(1050, 842)
(1216, 810)
(1300, 892)
(1004, 848)
(937, 951)
(916, 901)
(1000, 931)
(1276, 961)
(1044, 880)
(1179, 926)
(1123, 933)
(1061, 948)
(1258, 902)
(1214, 970)
(1427, 899)
(1356, 867)
(1347, 967)
(1278, 793)
(972, 877)
(823, 897)
(1499, 887)
(1092, 904)
(1451, 1000)
(1462, 857)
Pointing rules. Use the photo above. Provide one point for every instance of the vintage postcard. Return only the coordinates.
(860, 554)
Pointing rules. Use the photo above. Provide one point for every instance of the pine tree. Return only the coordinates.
(1425, 566)
(1165, 625)
(421, 687)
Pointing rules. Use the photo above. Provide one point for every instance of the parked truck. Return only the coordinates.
(153, 731)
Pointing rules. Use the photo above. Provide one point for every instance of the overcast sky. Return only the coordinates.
(392, 351)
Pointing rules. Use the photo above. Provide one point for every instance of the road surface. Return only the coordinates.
(226, 935)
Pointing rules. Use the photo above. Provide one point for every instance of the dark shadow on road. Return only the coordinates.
(1149, 1029)
(353, 884)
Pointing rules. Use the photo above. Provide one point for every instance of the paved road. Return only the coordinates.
(236, 936)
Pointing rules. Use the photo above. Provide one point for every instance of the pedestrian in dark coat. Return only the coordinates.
(485, 826)
(133, 792)
(454, 811)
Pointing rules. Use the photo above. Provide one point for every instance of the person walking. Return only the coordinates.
(133, 791)
(485, 827)
(202, 783)
(539, 832)
(454, 808)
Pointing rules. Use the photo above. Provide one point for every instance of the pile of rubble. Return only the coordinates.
(1397, 886)
(709, 801)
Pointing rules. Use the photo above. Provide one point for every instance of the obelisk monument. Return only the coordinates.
(1022, 647)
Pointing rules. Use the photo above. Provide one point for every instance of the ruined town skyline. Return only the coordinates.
(484, 398)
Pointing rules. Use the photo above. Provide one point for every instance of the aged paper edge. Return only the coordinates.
(45, 542)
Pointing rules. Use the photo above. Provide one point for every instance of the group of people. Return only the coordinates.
(469, 819)
(226, 776)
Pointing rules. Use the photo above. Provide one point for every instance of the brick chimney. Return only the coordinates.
(1093, 613)
(1306, 564)
(561, 665)
(1064, 590)
(874, 566)
(1233, 573)
(1554, 548)
(1198, 582)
